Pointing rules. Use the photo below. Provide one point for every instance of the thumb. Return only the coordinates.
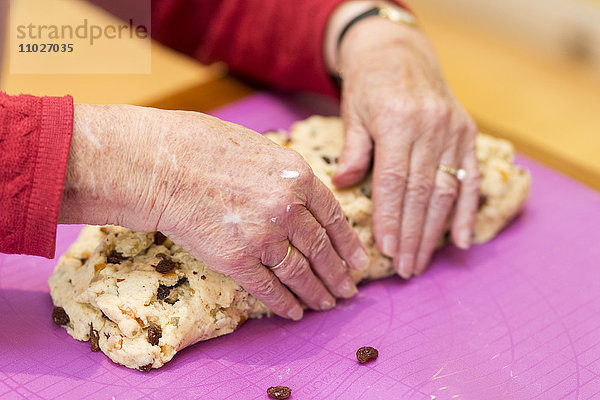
(355, 159)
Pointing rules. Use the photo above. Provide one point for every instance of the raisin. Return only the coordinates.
(180, 282)
(104, 230)
(483, 199)
(145, 368)
(154, 334)
(94, 339)
(83, 260)
(115, 257)
(159, 238)
(326, 159)
(163, 292)
(59, 316)
(279, 392)
(365, 354)
(203, 277)
(165, 265)
(366, 191)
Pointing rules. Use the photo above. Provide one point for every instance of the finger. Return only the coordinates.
(390, 172)
(440, 205)
(463, 222)
(296, 274)
(423, 167)
(266, 287)
(308, 236)
(355, 159)
(328, 212)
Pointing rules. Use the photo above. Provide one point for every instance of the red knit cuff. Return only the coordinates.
(56, 130)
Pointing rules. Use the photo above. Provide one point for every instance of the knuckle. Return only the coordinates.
(321, 244)
(409, 241)
(436, 107)
(420, 189)
(265, 288)
(392, 179)
(388, 215)
(296, 272)
(446, 193)
(335, 217)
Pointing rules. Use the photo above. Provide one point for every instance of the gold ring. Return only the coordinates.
(289, 251)
(458, 173)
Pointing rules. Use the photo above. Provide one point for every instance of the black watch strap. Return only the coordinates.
(368, 13)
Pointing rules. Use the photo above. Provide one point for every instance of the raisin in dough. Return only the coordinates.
(147, 298)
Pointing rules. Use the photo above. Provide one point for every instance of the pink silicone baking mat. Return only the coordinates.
(517, 318)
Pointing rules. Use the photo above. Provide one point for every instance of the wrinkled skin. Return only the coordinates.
(229, 196)
(401, 117)
(235, 200)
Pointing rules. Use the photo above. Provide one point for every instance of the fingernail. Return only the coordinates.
(349, 288)
(360, 259)
(406, 266)
(296, 313)
(327, 304)
(389, 245)
(464, 239)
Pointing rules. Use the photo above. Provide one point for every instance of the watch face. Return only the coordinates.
(397, 15)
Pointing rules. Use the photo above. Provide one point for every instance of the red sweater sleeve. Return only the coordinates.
(277, 42)
(35, 137)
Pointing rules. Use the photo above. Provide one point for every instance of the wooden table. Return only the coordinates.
(547, 107)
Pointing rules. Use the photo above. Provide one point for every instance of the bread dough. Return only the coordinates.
(145, 298)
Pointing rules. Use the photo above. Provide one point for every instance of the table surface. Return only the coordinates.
(516, 318)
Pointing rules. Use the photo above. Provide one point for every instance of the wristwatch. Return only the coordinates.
(391, 12)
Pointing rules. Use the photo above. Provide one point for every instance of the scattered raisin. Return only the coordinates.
(203, 277)
(483, 199)
(59, 316)
(165, 265)
(326, 159)
(365, 354)
(115, 257)
(94, 339)
(154, 334)
(159, 238)
(83, 260)
(145, 368)
(279, 392)
(163, 292)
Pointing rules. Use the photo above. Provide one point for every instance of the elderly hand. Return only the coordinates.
(229, 196)
(401, 117)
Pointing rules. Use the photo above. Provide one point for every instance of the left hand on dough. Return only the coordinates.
(401, 116)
